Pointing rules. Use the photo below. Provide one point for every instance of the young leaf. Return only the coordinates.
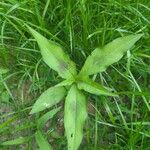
(54, 56)
(48, 98)
(42, 121)
(101, 58)
(74, 117)
(67, 82)
(94, 88)
(42, 142)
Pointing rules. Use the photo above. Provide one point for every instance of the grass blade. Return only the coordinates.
(17, 141)
(42, 121)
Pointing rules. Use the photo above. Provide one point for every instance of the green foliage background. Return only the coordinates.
(79, 26)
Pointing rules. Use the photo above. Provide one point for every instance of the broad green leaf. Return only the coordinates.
(93, 87)
(48, 98)
(101, 58)
(42, 142)
(17, 141)
(54, 56)
(42, 121)
(74, 117)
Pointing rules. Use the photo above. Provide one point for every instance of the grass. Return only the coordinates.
(78, 25)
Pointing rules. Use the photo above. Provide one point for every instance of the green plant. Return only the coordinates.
(75, 102)
(4, 96)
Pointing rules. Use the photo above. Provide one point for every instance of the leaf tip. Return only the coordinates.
(140, 35)
(31, 112)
